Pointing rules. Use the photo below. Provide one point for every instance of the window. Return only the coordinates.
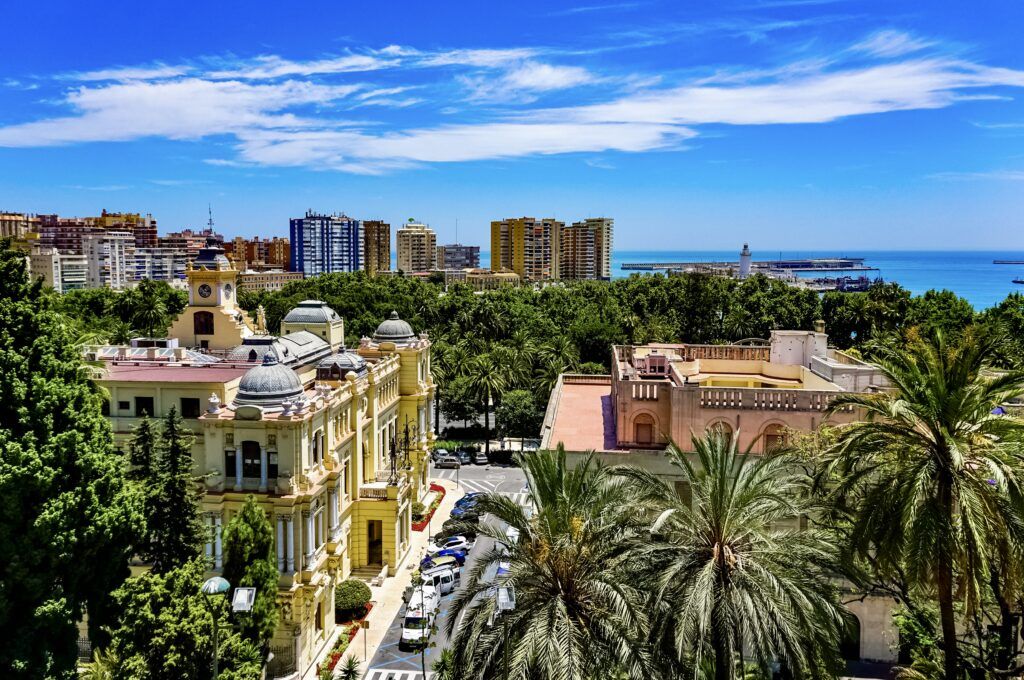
(230, 456)
(202, 323)
(144, 407)
(344, 478)
(250, 459)
(204, 344)
(189, 407)
(105, 408)
(774, 438)
(272, 465)
(123, 406)
(319, 621)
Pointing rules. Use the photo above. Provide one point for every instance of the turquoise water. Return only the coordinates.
(970, 273)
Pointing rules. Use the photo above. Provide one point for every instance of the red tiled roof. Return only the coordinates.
(147, 372)
(583, 419)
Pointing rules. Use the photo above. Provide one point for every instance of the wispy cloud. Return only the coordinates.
(524, 80)
(610, 7)
(101, 187)
(891, 43)
(274, 111)
(1000, 175)
(177, 182)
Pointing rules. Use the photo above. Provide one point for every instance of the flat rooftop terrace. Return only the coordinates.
(582, 416)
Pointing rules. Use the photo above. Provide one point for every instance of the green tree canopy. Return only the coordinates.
(67, 519)
(249, 562)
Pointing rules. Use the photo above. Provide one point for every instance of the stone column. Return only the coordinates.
(238, 469)
(332, 500)
(218, 556)
(263, 468)
(280, 543)
(290, 529)
(208, 523)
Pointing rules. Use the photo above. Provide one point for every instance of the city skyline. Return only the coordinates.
(797, 124)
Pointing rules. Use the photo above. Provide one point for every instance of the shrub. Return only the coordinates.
(351, 598)
(417, 511)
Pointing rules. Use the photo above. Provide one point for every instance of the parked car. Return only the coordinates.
(442, 578)
(419, 616)
(458, 554)
(448, 543)
(464, 457)
(469, 500)
(458, 527)
(447, 462)
(438, 561)
(437, 453)
(466, 513)
(481, 458)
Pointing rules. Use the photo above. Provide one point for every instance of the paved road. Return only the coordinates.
(391, 663)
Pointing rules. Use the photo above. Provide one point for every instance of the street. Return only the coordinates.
(391, 663)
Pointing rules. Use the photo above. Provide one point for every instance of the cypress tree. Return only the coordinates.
(249, 562)
(176, 533)
(68, 519)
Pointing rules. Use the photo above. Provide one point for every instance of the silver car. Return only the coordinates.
(447, 462)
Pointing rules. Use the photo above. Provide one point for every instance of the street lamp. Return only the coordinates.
(214, 586)
(505, 599)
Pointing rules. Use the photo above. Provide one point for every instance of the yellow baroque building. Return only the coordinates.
(332, 441)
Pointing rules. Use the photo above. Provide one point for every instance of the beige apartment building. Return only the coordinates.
(527, 246)
(417, 247)
(586, 249)
(17, 225)
(376, 246)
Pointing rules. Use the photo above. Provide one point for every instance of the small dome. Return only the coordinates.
(394, 329)
(212, 257)
(268, 384)
(312, 311)
(337, 365)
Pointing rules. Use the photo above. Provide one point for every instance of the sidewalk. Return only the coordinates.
(387, 599)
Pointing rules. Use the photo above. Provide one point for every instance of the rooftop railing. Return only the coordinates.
(765, 399)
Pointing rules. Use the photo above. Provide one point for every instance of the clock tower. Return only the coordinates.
(212, 319)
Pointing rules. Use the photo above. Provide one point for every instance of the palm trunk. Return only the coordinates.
(487, 427)
(948, 620)
(723, 654)
(944, 583)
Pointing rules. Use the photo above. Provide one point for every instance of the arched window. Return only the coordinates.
(203, 323)
(721, 428)
(774, 438)
(643, 429)
(252, 355)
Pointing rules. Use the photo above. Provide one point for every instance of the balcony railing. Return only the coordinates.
(765, 400)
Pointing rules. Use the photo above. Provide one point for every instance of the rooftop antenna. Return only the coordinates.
(209, 222)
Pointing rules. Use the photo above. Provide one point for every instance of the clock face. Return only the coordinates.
(205, 290)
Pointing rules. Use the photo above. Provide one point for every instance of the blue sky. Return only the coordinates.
(794, 124)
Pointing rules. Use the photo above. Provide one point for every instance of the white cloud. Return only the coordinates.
(180, 109)
(817, 98)
(281, 113)
(356, 151)
(525, 79)
(891, 43)
(270, 67)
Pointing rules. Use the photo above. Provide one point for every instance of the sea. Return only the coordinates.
(970, 274)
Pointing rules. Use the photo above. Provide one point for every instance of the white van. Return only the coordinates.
(443, 579)
(420, 614)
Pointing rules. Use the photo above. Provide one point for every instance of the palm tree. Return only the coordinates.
(349, 668)
(723, 571)
(444, 666)
(151, 316)
(487, 380)
(576, 615)
(932, 467)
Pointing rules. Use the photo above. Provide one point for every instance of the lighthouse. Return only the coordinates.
(745, 261)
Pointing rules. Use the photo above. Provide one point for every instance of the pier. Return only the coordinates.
(826, 264)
